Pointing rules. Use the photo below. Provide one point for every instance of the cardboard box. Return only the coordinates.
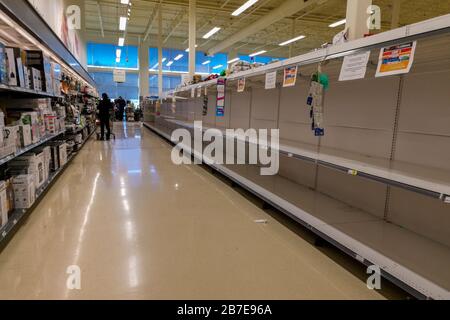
(54, 156)
(3, 204)
(3, 65)
(62, 155)
(51, 123)
(12, 136)
(25, 135)
(12, 54)
(10, 195)
(24, 191)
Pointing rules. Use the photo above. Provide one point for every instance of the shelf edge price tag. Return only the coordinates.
(353, 172)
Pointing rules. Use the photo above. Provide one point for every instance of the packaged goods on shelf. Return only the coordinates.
(41, 67)
(3, 204)
(58, 152)
(15, 66)
(2, 119)
(51, 123)
(12, 136)
(24, 191)
(3, 66)
(30, 163)
(25, 135)
(46, 152)
(10, 195)
(63, 154)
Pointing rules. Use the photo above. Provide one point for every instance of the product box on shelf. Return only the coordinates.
(41, 64)
(12, 136)
(10, 195)
(51, 123)
(2, 119)
(3, 66)
(36, 79)
(25, 135)
(3, 204)
(63, 154)
(32, 119)
(46, 155)
(14, 70)
(24, 191)
(30, 163)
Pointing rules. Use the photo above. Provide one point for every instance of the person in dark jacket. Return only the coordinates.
(104, 107)
(121, 104)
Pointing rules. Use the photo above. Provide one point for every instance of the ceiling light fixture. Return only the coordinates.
(187, 50)
(122, 23)
(217, 67)
(244, 7)
(292, 40)
(124, 1)
(338, 23)
(211, 32)
(257, 53)
(169, 63)
(206, 62)
(178, 57)
(234, 60)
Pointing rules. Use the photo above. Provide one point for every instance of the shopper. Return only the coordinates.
(104, 108)
(121, 105)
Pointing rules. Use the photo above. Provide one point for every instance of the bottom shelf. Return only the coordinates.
(413, 262)
(18, 216)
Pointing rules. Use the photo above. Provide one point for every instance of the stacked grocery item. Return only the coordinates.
(29, 69)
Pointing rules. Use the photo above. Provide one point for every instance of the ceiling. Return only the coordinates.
(313, 21)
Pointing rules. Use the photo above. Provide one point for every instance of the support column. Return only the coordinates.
(143, 70)
(192, 37)
(395, 14)
(160, 53)
(357, 16)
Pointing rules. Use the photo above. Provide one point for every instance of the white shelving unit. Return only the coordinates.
(409, 244)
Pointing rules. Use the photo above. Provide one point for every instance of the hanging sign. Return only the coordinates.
(354, 66)
(397, 59)
(241, 85)
(271, 80)
(119, 76)
(290, 76)
(220, 109)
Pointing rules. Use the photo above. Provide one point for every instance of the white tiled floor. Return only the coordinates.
(140, 227)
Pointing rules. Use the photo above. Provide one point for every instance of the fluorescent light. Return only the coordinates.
(292, 40)
(257, 53)
(338, 23)
(211, 32)
(178, 57)
(206, 62)
(234, 60)
(244, 7)
(122, 23)
(124, 1)
(187, 50)
(169, 63)
(217, 67)
(121, 42)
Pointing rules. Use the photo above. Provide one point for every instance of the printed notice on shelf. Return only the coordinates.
(354, 66)
(290, 76)
(271, 80)
(241, 85)
(396, 59)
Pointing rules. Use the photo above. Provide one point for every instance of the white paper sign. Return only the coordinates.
(119, 76)
(354, 66)
(271, 80)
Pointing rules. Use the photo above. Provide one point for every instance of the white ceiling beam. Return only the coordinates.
(286, 9)
(176, 23)
(100, 19)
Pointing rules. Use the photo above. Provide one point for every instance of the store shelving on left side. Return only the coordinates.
(47, 114)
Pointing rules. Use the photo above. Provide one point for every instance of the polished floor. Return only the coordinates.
(139, 227)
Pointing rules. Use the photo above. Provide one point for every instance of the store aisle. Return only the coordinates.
(140, 227)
